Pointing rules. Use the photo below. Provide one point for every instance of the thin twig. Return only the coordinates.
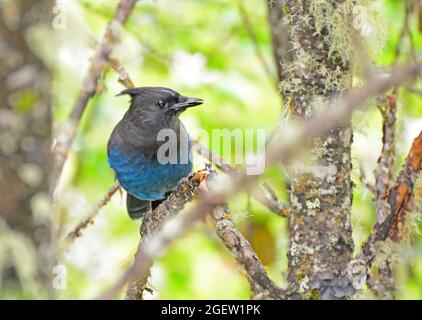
(258, 52)
(404, 31)
(124, 77)
(381, 280)
(399, 202)
(270, 202)
(364, 180)
(383, 173)
(89, 86)
(76, 232)
(414, 90)
(244, 255)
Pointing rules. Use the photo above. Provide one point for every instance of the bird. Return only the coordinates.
(134, 152)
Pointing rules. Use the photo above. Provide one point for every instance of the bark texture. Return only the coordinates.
(381, 279)
(262, 286)
(320, 235)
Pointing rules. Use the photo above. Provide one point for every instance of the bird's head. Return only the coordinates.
(157, 106)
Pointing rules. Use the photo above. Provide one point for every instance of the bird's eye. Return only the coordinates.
(161, 103)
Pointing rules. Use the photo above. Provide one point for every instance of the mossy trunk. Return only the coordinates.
(320, 234)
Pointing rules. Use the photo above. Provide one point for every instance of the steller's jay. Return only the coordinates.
(134, 146)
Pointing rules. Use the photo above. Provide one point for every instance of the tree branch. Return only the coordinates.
(89, 86)
(76, 232)
(399, 200)
(186, 190)
(242, 251)
(364, 180)
(383, 173)
(267, 199)
(153, 245)
(124, 77)
(226, 230)
(381, 281)
(258, 52)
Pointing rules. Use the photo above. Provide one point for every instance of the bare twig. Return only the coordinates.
(211, 157)
(270, 201)
(381, 281)
(242, 251)
(364, 180)
(77, 231)
(89, 86)
(405, 31)
(258, 52)
(383, 173)
(414, 90)
(399, 202)
(267, 197)
(124, 77)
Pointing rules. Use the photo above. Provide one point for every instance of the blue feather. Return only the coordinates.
(143, 176)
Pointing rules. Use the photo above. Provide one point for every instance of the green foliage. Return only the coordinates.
(208, 39)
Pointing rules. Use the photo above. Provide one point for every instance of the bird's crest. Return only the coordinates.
(131, 91)
(143, 90)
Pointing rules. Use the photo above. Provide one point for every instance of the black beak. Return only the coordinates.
(186, 102)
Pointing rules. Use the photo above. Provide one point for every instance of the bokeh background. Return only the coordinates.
(200, 48)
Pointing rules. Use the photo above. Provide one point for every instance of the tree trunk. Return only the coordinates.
(25, 142)
(320, 235)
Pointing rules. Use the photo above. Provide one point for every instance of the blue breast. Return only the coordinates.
(143, 176)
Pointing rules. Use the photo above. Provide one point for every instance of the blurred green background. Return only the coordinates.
(200, 48)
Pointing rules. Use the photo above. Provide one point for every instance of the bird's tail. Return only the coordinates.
(138, 208)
